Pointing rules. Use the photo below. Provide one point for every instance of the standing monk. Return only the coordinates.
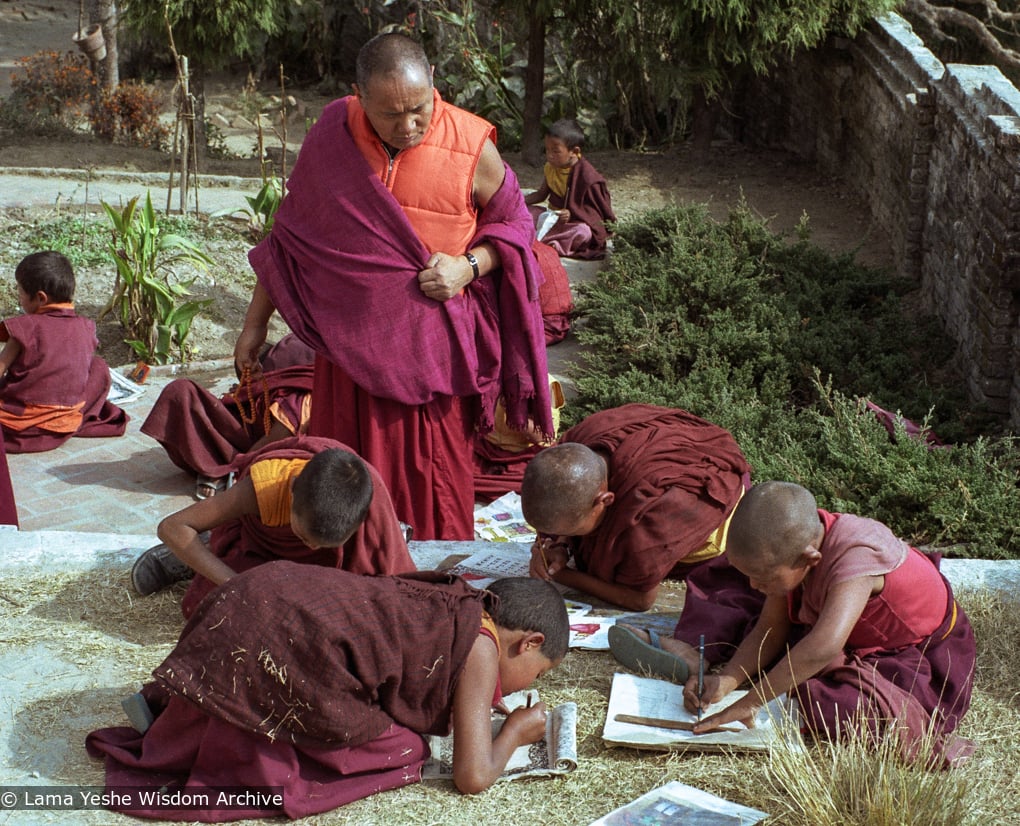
(402, 255)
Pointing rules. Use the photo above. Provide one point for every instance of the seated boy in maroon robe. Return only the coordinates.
(320, 684)
(575, 190)
(634, 494)
(857, 625)
(52, 384)
(305, 499)
(204, 434)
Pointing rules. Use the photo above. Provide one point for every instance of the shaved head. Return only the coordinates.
(561, 486)
(773, 524)
(392, 54)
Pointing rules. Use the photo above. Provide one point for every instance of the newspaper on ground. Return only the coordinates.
(555, 754)
(677, 804)
(502, 520)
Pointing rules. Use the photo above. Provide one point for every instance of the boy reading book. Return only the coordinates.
(306, 499)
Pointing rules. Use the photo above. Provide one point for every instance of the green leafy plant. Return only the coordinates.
(261, 210)
(148, 297)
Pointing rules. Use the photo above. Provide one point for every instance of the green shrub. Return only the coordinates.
(779, 342)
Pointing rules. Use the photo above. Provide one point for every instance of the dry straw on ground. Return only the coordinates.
(115, 639)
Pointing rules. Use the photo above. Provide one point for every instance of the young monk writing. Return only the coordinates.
(305, 499)
(633, 494)
(325, 681)
(861, 628)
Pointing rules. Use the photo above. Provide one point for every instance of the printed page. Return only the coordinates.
(661, 700)
(590, 633)
(504, 560)
(503, 521)
(482, 568)
(555, 754)
(677, 804)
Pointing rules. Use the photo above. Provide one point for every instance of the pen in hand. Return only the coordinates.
(701, 672)
(541, 549)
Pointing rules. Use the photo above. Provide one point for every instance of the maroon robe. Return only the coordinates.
(377, 547)
(554, 294)
(886, 672)
(589, 203)
(675, 478)
(318, 682)
(204, 434)
(58, 366)
(8, 509)
(403, 379)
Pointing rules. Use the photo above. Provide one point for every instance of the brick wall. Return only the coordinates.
(934, 150)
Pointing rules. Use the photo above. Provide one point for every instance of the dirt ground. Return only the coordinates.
(776, 185)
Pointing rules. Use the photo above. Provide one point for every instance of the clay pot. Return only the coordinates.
(91, 42)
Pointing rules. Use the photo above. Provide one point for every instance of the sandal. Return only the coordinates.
(646, 657)
(207, 486)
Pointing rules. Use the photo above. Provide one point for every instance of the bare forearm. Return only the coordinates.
(488, 259)
(260, 308)
(184, 541)
(754, 654)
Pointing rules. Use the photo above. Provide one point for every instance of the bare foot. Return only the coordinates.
(687, 653)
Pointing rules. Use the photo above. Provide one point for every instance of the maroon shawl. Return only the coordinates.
(588, 200)
(205, 434)
(341, 266)
(323, 657)
(377, 547)
(676, 477)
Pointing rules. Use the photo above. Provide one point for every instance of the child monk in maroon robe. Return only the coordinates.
(633, 494)
(52, 384)
(290, 502)
(857, 625)
(318, 685)
(575, 190)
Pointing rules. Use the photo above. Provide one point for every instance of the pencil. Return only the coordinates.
(541, 550)
(529, 700)
(701, 671)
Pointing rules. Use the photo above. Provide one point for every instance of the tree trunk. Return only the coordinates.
(104, 12)
(704, 117)
(534, 89)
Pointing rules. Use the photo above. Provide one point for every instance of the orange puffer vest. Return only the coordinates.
(433, 180)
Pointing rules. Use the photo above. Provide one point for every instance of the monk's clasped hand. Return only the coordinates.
(444, 276)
